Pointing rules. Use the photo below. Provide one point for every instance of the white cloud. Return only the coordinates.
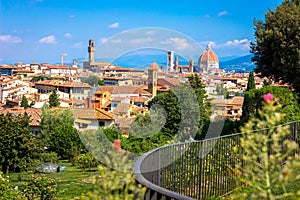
(140, 41)
(103, 40)
(78, 45)
(48, 40)
(114, 25)
(117, 41)
(177, 43)
(68, 35)
(150, 32)
(242, 44)
(220, 14)
(10, 39)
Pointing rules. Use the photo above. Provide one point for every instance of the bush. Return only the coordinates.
(114, 183)
(50, 157)
(41, 187)
(85, 161)
(267, 157)
(6, 190)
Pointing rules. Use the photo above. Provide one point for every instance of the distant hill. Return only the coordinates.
(241, 64)
(143, 61)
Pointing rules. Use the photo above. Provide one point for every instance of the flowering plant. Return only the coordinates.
(267, 157)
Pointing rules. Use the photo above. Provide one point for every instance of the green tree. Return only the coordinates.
(58, 133)
(251, 82)
(101, 82)
(65, 141)
(277, 47)
(248, 105)
(17, 143)
(24, 102)
(221, 90)
(287, 99)
(54, 99)
(187, 109)
(92, 80)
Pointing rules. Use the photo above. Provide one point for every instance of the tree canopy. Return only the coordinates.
(187, 109)
(287, 99)
(277, 47)
(17, 143)
(58, 132)
(93, 80)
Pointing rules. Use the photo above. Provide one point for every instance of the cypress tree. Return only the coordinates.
(53, 99)
(24, 102)
(248, 105)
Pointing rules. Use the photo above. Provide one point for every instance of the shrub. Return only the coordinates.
(6, 190)
(41, 187)
(114, 183)
(50, 157)
(267, 157)
(85, 161)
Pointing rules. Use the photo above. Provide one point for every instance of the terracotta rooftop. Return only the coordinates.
(92, 114)
(129, 89)
(170, 82)
(122, 108)
(63, 83)
(33, 113)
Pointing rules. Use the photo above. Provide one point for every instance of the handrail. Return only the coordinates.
(153, 171)
(141, 179)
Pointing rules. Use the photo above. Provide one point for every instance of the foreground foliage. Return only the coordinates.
(116, 182)
(267, 157)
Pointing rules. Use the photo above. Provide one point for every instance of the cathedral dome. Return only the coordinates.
(208, 55)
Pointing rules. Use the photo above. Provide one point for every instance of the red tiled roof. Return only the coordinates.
(122, 108)
(208, 56)
(128, 89)
(63, 83)
(33, 113)
(92, 114)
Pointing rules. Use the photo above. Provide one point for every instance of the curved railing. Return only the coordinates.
(193, 170)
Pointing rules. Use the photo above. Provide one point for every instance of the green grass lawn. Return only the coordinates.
(73, 182)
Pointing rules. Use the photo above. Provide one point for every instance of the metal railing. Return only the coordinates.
(193, 170)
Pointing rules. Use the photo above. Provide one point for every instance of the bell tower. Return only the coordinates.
(91, 50)
(152, 78)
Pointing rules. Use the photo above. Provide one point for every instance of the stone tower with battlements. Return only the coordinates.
(91, 50)
(152, 78)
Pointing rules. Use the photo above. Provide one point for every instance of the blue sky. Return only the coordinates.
(40, 30)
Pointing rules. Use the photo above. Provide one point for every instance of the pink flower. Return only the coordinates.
(277, 99)
(117, 144)
(268, 97)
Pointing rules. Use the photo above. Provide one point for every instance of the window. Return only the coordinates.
(101, 123)
(81, 125)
